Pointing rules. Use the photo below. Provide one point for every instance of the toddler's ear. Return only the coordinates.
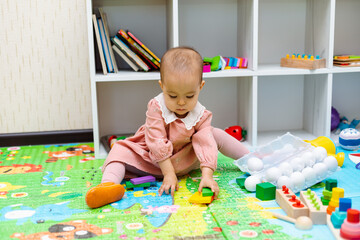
(202, 84)
(161, 85)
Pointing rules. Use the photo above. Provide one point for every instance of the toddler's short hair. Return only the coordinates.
(182, 59)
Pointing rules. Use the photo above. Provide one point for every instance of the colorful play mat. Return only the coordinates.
(42, 190)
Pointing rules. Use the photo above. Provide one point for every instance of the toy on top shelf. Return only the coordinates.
(221, 63)
(235, 62)
(349, 139)
(287, 161)
(303, 61)
(237, 132)
(215, 62)
(346, 61)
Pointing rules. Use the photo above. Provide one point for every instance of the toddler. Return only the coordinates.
(176, 138)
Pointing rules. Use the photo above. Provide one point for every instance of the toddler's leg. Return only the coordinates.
(109, 190)
(228, 145)
(114, 172)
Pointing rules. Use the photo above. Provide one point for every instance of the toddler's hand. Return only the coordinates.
(209, 182)
(170, 182)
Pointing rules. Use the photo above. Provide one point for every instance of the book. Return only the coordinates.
(106, 28)
(145, 56)
(105, 46)
(130, 53)
(98, 41)
(132, 36)
(126, 59)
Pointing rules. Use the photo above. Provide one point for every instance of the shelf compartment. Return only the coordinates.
(146, 19)
(287, 27)
(345, 94)
(347, 30)
(218, 27)
(299, 103)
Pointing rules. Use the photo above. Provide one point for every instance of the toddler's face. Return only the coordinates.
(181, 92)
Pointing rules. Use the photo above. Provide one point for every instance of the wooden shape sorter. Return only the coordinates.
(317, 211)
(288, 201)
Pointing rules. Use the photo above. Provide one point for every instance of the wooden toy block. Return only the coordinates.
(241, 182)
(317, 211)
(265, 191)
(303, 63)
(144, 179)
(337, 218)
(206, 192)
(129, 185)
(337, 193)
(344, 204)
(330, 184)
(350, 229)
(288, 201)
(197, 198)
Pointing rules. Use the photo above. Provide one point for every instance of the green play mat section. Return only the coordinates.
(42, 190)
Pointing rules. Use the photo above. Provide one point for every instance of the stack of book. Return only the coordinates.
(125, 44)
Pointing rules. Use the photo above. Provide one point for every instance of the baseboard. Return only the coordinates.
(45, 138)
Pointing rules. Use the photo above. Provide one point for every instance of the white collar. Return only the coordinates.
(190, 120)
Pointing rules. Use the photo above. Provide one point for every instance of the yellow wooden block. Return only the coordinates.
(197, 198)
(337, 193)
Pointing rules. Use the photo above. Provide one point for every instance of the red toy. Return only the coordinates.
(237, 132)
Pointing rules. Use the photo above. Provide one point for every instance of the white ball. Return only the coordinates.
(320, 170)
(297, 164)
(308, 158)
(298, 181)
(310, 175)
(286, 168)
(250, 183)
(320, 154)
(331, 163)
(272, 174)
(255, 164)
(284, 180)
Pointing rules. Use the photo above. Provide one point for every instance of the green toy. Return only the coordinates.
(215, 62)
(265, 191)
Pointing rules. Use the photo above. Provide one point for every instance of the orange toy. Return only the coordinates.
(103, 194)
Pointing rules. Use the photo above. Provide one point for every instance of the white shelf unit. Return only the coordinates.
(265, 99)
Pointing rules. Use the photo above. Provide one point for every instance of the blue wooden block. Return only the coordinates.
(344, 204)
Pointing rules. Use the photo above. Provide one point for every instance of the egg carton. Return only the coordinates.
(288, 161)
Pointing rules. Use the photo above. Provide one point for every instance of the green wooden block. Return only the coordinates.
(206, 192)
(241, 182)
(330, 184)
(327, 194)
(129, 185)
(265, 191)
(324, 201)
